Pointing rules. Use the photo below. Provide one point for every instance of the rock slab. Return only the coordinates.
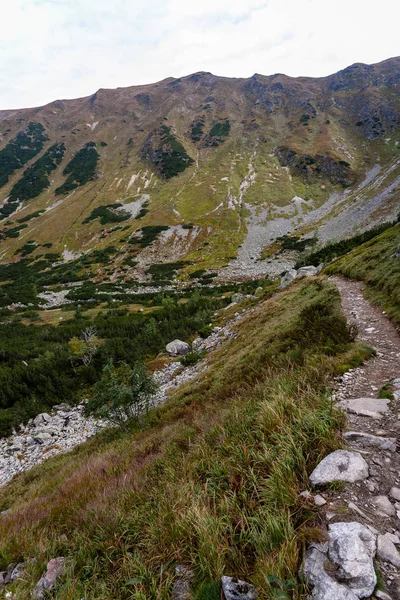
(367, 407)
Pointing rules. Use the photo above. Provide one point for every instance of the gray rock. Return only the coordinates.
(319, 500)
(324, 586)
(387, 551)
(288, 278)
(177, 348)
(340, 465)
(367, 439)
(382, 595)
(184, 577)
(367, 407)
(197, 344)
(236, 589)
(384, 505)
(17, 571)
(395, 493)
(352, 548)
(43, 438)
(55, 568)
(237, 298)
(309, 271)
(41, 419)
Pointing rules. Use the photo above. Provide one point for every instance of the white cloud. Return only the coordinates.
(68, 48)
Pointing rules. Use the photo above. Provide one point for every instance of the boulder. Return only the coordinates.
(288, 278)
(324, 586)
(352, 549)
(55, 568)
(340, 465)
(41, 419)
(17, 571)
(387, 551)
(236, 589)
(309, 271)
(177, 348)
(43, 438)
(395, 493)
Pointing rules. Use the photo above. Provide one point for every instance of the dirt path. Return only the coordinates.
(374, 501)
(375, 329)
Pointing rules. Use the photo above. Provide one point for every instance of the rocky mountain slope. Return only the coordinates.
(220, 167)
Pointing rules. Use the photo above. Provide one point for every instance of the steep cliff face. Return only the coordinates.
(184, 147)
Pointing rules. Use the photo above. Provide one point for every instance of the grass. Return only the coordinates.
(213, 478)
(373, 264)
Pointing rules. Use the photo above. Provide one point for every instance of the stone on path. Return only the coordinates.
(367, 407)
(324, 586)
(367, 439)
(395, 493)
(340, 465)
(352, 548)
(387, 551)
(384, 506)
(177, 348)
(236, 589)
(55, 568)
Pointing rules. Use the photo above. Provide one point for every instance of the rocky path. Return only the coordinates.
(363, 519)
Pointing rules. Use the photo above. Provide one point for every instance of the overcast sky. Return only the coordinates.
(51, 49)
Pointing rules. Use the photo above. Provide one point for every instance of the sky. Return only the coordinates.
(57, 49)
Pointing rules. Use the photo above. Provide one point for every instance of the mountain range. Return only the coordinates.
(207, 173)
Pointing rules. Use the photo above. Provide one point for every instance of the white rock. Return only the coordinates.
(324, 586)
(308, 271)
(387, 551)
(319, 500)
(340, 465)
(352, 548)
(177, 348)
(41, 419)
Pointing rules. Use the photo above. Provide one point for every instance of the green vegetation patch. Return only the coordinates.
(111, 213)
(166, 153)
(33, 215)
(12, 232)
(81, 169)
(25, 146)
(197, 129)
(221, 129)
(36, 179)
(149, 234)
(166, 271)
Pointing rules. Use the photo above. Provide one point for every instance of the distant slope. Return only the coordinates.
(242, 160)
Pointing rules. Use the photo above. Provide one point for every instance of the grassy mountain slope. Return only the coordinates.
(212, 481)
(224, 155)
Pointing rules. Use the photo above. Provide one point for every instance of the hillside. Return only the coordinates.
(221, 168)
(210, 480)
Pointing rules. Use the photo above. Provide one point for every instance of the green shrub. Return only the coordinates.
(81, 169)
